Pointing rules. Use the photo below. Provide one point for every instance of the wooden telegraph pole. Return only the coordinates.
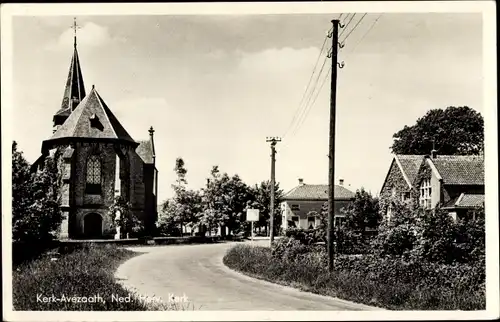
(273, 141)
(331, 155)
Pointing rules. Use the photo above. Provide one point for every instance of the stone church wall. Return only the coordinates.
(86, 203)
(137, 199)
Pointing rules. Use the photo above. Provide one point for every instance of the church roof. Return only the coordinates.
(145, 151)
(93, 119)
(75, 89)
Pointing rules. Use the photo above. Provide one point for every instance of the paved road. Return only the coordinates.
(197, 271)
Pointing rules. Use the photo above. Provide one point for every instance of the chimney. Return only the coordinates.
(433, 151)
(341, 182)
(301, 182)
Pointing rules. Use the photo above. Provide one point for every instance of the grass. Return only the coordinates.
(387, 286)
(80, 281)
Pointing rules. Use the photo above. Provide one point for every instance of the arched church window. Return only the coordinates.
(93, 185)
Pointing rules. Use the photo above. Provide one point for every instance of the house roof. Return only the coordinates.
(145, 151)
(466, 200)
(317, 191)
(92, 118)
(460, 169)
(409, 165)
(75, 88)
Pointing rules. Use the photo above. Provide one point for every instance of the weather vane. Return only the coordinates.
(75, 27)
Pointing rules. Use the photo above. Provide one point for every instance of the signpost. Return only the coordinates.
(252, 215)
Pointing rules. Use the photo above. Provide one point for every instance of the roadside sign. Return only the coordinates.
(252, 214)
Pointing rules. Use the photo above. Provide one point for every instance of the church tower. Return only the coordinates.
(99, 161)
(74, 92)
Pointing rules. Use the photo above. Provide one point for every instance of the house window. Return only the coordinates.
(405, 196)
(295, 207)
(93, 182)
(311, 222)
(425, 193)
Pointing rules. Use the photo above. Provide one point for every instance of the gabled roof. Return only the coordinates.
(466, 200)
(92, 119)
(317, 192)
(409, 165)
(145, 151)
(460, 169)
(75, 89)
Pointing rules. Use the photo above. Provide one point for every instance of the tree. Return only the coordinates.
(128, 221)
(212, 215)
(166, 220)
(225, 201)
(186, 203)
(261, 199)
(183, 209)
(398, 235)
(36, 215)
(363, 212)
(453, 131)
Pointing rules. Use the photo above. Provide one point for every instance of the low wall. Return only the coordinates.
(66, 245)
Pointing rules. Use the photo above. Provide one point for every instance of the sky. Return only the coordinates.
(215, 86)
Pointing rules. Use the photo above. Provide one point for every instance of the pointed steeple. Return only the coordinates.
(74, 91)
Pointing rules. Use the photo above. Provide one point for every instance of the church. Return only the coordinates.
(98, 161)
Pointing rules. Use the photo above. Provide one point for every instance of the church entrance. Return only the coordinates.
(92, 226)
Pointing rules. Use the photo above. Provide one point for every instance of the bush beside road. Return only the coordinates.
(389, 283)
(82, 280)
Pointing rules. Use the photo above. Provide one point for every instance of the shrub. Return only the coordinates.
(306, 236)
(36, 216)
(471, 239)
(351, 242)
(290, 249)
(85, 272)
(391, 282)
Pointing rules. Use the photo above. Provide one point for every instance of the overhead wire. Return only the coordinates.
(364, 35)
(307, 88)
(350, 32)
(308, 106)
(346, 25)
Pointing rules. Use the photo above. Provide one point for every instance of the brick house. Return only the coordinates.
(399, 181)
(98, 160)
(453, 182)
(301, 205)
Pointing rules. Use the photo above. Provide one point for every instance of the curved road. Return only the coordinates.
(197, 272)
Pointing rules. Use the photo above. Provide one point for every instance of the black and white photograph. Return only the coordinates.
(249, 161)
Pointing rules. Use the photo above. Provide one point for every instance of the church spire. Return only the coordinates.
(74, 91)
(74, 27)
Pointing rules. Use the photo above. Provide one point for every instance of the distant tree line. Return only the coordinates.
(220, 205)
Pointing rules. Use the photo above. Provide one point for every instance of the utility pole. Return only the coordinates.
(331, 155)
(273, 141)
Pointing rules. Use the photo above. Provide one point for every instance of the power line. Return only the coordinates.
(306, 109)
(364, 35)
(308, 106)
(359, 21)
(321, 87)
(307, 88)
(346, 25)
